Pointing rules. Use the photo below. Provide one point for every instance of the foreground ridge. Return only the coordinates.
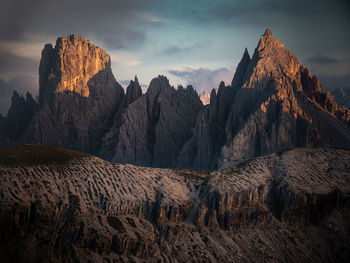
(288, 207)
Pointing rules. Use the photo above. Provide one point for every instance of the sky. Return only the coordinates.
(198, 42)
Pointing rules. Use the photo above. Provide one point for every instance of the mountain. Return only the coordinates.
(272, 104)
(63, 206)
(78, 96)
(156, 126)
(342, 96)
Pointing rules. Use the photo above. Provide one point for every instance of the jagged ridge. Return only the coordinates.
(272, 104)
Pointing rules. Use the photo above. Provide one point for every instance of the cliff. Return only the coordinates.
(78, 96)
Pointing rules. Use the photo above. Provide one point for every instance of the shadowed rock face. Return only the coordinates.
(59, 205)
(78, 96)
(19, 115)
(111, 138)
(156, 126)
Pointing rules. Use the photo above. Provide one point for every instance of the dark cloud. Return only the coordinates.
(252, 11)
(320, 59)
(10, 63)
(332, 82)
(125, 40)
(176, 50)
(119, 23)
(21, 84)
(204, 79)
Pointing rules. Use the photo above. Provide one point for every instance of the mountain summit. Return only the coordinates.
(78, 96)
(272, 104)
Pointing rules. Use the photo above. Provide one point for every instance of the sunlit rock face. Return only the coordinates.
(205, 98)
(78, 98)
(71, 65)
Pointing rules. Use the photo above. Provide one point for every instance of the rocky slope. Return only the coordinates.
(57, 205)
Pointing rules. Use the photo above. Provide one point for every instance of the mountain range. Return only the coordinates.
(256, 171)
(272, 104)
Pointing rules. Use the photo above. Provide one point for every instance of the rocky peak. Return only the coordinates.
(213, 96)
(157, 85)
(270, 60)
(78, 96)
(133, 91)
(20, 113)
(268, 41)
(70, 66)
(221, 88)
(241, 70)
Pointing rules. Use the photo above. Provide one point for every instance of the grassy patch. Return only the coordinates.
(36, 154)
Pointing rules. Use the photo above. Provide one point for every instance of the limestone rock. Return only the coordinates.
(205, 98)
(156, 126)
(273, 104)
(111, 138)
(133, 92)
(78, 97)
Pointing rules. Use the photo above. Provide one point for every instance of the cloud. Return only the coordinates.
(204, 79)
(332, 82)
(11, 65)
(27, 25)
(121, 21)
(152, 18)
(124, 59)
(321, 59)
(21, 84)
(176, 50)
(124, 40)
